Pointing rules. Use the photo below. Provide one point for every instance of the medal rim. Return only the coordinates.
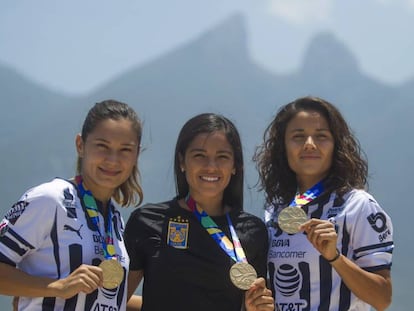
(112, 273)
(285, 226)
(250, 269)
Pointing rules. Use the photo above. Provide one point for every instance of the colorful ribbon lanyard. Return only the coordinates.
(93, 214)
(308, 196)
(233, 250)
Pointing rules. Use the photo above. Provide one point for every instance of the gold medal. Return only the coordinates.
(290, 218)
(113, 273)
(242, 275)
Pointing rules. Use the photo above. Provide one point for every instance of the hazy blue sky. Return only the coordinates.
(75, 45)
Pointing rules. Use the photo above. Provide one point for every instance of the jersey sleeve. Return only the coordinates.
(371, 233)
(26, 225)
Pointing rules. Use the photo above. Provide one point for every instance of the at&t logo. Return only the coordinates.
(288, 280)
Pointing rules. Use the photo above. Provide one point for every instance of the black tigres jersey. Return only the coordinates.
(184, 268)
(47, 234)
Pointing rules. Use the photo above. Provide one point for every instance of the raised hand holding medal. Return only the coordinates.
(112, 271)
(242, 274)
(291, 217)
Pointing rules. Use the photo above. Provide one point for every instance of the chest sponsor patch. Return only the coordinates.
(178, 233)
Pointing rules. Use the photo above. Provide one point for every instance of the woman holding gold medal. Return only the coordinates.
(200, 251)
(61, 244)
(331, 242)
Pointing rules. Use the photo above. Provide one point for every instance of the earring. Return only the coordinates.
(182, 170)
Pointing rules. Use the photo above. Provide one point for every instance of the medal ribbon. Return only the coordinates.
(233, 250)
(308, 196)
(93, 214)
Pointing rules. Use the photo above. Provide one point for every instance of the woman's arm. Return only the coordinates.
(14, 282)
(134, 301)
(374, 288)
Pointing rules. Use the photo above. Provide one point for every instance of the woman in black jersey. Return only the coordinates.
(331, 242)
(186, 249)
(61, 244)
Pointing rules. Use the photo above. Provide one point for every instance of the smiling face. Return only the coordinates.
(208, 164)
(309, 148)
(108, 156)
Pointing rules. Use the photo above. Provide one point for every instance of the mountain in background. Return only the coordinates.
(215, 73)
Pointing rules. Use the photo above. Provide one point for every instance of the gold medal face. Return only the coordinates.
(242, 275)
(113, 273)
(290, 218)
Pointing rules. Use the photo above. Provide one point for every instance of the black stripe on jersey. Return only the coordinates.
(48, 304)
(20, 239)
(75, 260)
(345, 293)
(344, 298)
(271, 269)
(12, 245)
(91, 298)
(70, 304)
(305, 290)
(121, 290)
(325, 284)
(55, 242)
(321, 201)
(6, 260)
(115, 220)
(371, 247)
(377, 268)
(345, 238)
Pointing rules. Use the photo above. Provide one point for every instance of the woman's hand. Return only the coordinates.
(258, 297)
(322, 235)
(85, 279)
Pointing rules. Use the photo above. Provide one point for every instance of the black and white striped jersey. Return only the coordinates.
(301, 279)
(47, 233)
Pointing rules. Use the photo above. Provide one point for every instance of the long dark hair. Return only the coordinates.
(130, 192)
(349, 167)
(209, 123)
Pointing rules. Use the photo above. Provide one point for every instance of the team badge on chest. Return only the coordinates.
(178, 232)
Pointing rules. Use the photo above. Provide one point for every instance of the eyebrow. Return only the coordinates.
(107, 141)
(302, 130)
(204, 150)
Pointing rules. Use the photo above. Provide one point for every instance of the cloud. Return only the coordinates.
(302, 11)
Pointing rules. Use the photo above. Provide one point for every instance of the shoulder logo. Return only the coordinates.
(378, 222)
(68, 196)
(69, 203)
(77, 231)
(16, 211)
